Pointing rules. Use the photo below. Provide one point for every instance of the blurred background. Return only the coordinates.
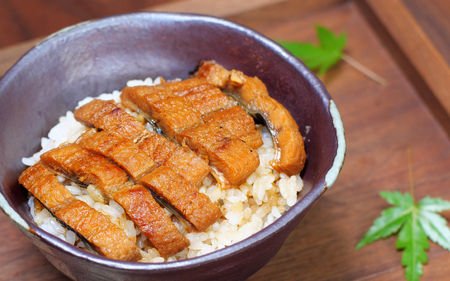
(22, 20)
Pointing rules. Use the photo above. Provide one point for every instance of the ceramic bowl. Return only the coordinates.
(100, 56)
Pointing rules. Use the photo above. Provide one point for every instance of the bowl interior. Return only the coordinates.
(101, 56)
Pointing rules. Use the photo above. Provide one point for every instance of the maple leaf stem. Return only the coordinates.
(369, 73)
(411, 174)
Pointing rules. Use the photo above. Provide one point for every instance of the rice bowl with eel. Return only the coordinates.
(101, 56)
(264, 197)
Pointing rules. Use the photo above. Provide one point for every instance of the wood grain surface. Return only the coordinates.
(416, 45)
(433, 17)
(22, 20)
(380, 123)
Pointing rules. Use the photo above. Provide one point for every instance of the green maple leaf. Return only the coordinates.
(413, 240)
(322, 56)
(414, 223)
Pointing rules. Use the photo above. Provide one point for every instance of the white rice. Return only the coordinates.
(257, 203)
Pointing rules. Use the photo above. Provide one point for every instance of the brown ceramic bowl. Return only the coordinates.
(100, 56)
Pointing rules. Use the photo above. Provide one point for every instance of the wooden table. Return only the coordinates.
(391, 38)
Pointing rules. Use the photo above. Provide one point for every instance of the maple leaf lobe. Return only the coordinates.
(322, 56)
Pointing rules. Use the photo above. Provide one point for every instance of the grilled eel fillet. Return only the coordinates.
(91, 168)
(108, 239)
(252, 93)
(233, 130)
(107, 116)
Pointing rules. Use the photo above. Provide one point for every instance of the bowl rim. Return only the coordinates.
(305, 203)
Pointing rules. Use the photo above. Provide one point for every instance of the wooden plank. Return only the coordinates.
(403, 61)
(9, 55)
(22, 20)
(433, 17)
(416, 45)
(20, 259)
(218, 8)
(380, 123)
(282, 12)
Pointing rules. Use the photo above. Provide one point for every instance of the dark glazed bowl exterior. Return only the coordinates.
(100, 56)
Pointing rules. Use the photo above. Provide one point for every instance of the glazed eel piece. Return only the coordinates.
(166, 153)
(127, 154)
(252, 93)
(108, 116)
(176, 105)
(91, 168)
(193, 205)
(240, 124)
(180, 105)
(122, 151)
(232, 161)
(226, 142)
(107, 238)
(119, 150)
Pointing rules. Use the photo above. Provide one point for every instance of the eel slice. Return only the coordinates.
(196, 207)
(108, 239)
(231, 159)
(44, 185)
(251, 92)
(239, 123)
(152, 220)
(89, 168)
(122, 151)
(106, 115)
(112, 181)
(161, 150)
